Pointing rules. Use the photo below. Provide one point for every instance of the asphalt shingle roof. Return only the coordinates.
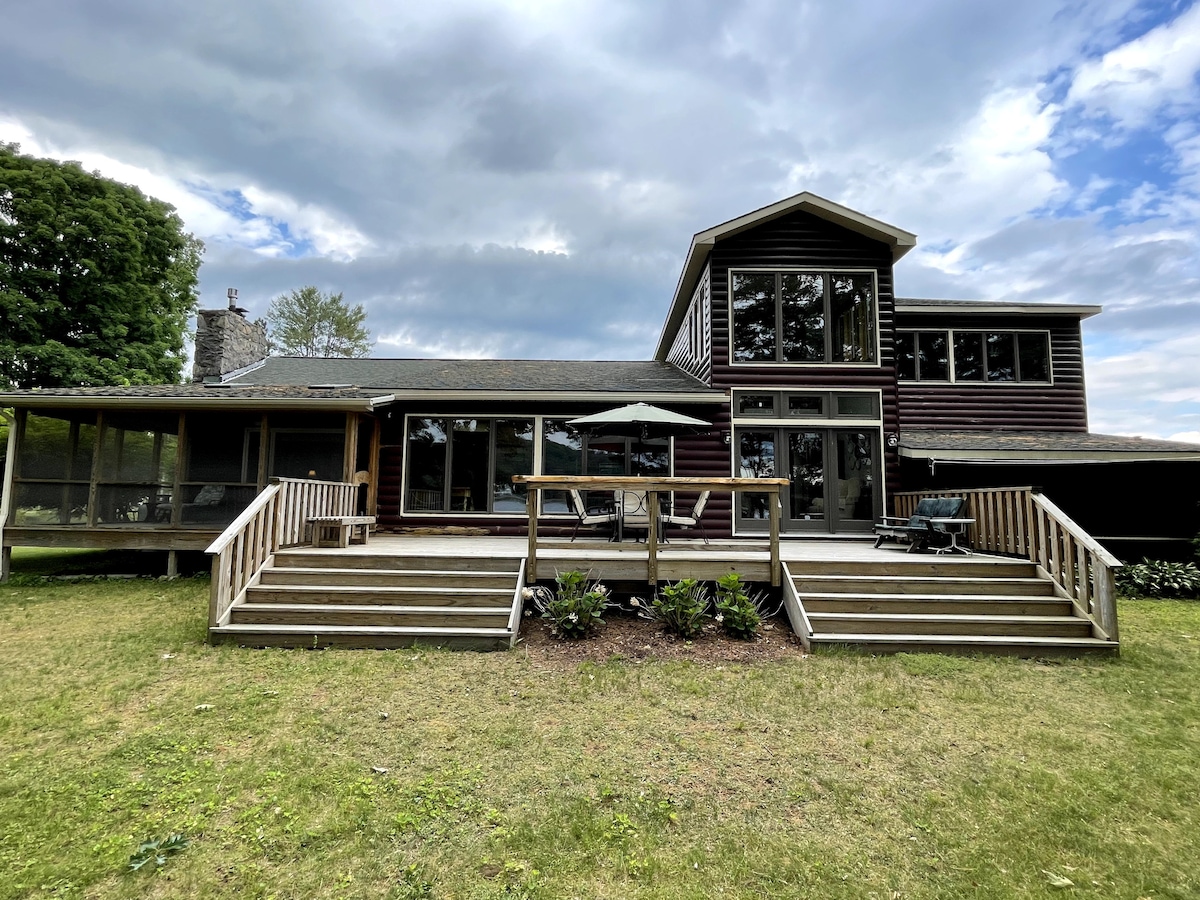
(1039, 442)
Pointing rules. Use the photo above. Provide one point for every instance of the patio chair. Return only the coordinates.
(593, 516)
(690, 519)
(632, 512)
(919, 529)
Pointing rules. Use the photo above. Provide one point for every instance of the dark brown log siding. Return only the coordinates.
(802, 239)
(1059, 406)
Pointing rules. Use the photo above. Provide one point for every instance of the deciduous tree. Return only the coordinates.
(97, 280)
(309, 322)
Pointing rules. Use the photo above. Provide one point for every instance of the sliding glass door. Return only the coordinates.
(834, 474)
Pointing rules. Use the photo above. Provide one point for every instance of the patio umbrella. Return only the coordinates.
(641, 421)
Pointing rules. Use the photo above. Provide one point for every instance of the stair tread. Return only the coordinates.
(376, 608)
(945, 617)
(361, 629)
(951, 579)
(383, 588)
(1033, 641)
(932, 598)
(331, 570)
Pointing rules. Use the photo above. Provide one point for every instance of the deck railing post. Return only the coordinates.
(775, 507)
(531, 558)
(652, 538)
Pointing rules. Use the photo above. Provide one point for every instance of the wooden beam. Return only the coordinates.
(531, 501)
(16, 434)
(264, 441)
(652, 538)
(94, 480)
(350, 448)
(181, 459)
(774, 506)
(373, 466)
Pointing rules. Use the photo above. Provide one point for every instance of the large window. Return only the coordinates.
(467, 464)
(973, 356)
(803, 317)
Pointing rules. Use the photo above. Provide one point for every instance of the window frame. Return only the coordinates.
(983, 332)
(826, 273)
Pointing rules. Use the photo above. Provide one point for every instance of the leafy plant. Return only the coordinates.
(682, 607)
(156, 851)
(737, 611)
(1156, 578)
(575, 609)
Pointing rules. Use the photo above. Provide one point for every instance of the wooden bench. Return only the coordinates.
(327, 529)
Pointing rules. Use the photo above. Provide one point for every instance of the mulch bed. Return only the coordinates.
(629, 637)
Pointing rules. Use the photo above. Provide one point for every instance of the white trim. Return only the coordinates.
(785, 364)
(994, 308)
(1038, 457)
(950, 332)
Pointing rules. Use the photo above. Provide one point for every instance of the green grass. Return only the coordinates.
(839, 775)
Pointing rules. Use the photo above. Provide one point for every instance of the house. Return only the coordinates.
(783, 331)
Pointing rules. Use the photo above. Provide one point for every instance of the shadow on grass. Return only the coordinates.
(50, 562)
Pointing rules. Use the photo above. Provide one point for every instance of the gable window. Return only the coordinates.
(973, 356)
(803, 317)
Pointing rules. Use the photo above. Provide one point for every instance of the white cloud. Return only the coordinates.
(1130, 83)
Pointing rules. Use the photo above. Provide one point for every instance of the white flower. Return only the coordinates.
(526, 593)
(573, 618)
(719, 618)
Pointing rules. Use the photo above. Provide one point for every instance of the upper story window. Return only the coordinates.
(973, 356)
(803, 317)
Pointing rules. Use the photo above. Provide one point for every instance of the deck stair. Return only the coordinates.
(322, 598)
(973, 604)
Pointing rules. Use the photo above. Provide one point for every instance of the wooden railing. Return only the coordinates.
(276, 518)
(653, 488)
(1022, 522)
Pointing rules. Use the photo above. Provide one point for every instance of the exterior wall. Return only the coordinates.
(798, 239)
(1058, 406)
(692, 350)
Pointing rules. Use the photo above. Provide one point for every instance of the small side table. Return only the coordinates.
(954, 528)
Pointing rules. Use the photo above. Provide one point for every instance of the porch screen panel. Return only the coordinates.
(514, 456)
(852, 311)
(803, 300)
(753, 317)
(425, 461)
(137, 469)
(756, 459)
(562, 454)
(308, 454)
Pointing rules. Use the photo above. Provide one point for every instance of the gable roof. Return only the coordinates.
(899, 240)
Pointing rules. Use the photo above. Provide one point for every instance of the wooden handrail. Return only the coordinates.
(652, 488)
(276, 518)
(1023, 522)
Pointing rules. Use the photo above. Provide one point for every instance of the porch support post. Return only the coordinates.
(16, 434)
(531, 561)
(350, 449)
(774, 507)
(264, 440)
(94, 482)
(373, 467)
(652, 538)
(181, 457)
(172, 564)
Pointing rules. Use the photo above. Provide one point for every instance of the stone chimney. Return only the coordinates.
(226, 342)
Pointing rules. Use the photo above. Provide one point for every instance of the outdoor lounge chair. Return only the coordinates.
(919, 529)
(690, 519)
(588, 516)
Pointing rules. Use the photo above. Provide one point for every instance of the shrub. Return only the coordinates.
(575, 609)
(1155, 578)
(737, 612)
(682, 607)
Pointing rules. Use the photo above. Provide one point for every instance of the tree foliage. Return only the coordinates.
(308, 322)
(97, 280)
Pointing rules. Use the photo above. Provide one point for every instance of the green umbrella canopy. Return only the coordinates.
(640, 420)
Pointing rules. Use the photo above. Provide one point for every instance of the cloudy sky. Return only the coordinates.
(522, 179)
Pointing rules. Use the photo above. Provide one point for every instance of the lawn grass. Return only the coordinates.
(508, 775)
